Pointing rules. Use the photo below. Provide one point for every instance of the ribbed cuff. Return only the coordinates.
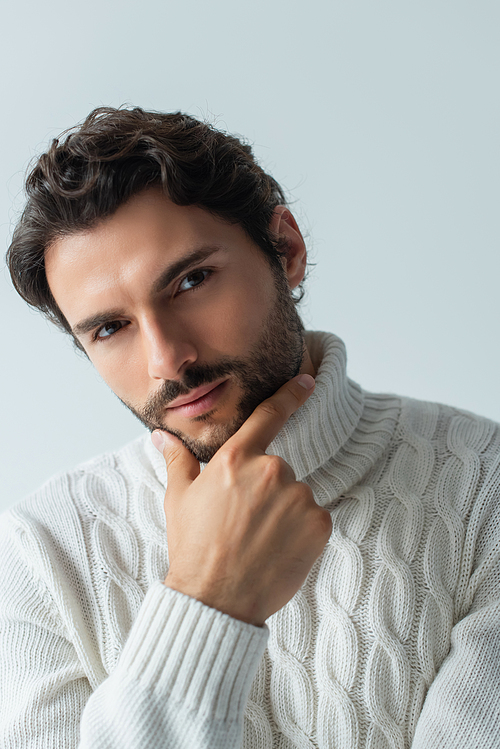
(193, 654)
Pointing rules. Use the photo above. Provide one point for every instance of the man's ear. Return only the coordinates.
(284, 227)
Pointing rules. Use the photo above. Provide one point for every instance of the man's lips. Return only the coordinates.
(195, 394)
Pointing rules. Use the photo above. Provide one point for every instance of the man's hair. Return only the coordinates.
(93, 169)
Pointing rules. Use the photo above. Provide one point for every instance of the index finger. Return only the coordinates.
(269, 417)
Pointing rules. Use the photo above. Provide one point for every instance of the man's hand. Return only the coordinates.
(243, 535)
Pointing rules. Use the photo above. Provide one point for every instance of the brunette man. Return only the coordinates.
(330, 579)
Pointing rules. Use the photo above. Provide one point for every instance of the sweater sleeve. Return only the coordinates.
(462, 706)
(182, 679)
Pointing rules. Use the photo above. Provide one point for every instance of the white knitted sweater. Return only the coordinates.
(393, 641)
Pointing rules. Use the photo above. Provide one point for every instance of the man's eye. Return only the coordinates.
(109, 329)
(193, 279)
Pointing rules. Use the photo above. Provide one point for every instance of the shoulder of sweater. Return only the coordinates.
(459, 453)
(431, 418)
(453, 425)
(437, 434)
(79, 530)
(453, 455)
(93, 487)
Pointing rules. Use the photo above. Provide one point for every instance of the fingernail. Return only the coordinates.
(158, 440)
(306, 381)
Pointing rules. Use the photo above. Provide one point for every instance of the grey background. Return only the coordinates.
(381, 118)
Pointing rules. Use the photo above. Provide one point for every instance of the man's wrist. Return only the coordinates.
(212, 596)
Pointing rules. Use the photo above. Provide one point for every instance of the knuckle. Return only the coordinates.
(324, 523)
(320, 521)
(272, 466)
(228, 457)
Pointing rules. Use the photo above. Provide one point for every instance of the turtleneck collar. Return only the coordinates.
(322, 426)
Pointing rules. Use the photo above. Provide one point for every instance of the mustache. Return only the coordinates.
(196, 376)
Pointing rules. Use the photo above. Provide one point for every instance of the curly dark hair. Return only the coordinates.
(93, 169)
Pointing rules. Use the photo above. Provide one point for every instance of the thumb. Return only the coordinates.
(182, 466)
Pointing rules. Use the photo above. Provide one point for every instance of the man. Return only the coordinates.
(331, 578)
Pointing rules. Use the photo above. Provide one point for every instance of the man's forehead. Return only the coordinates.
(148, 217)
(148, 228)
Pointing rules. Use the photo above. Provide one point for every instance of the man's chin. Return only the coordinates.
(210, 436)
(202, 452)
(205, 448)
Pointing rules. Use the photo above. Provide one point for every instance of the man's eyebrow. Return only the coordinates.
(167, 276)
(101, 318)
(171, 273)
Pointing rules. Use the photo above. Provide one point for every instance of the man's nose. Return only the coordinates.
(168, 351)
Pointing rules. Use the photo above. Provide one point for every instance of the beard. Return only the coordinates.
(275, 359)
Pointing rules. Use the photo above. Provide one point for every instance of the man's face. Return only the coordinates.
(181, 314)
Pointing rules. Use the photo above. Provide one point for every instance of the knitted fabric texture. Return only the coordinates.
(392, 642)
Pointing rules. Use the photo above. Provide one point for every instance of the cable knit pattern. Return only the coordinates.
(338, 588)
(393, 593)
(392, 642)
